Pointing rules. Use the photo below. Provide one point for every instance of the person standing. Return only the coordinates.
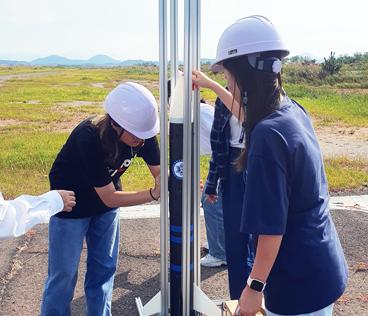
(299, 265)
(97, 153)
(227, 144)
(213, 216)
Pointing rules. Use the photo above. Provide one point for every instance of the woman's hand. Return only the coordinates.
(201, 185)
(156, 191)
(200, 80)
(211, 198)
(250, 302)
(68, 198)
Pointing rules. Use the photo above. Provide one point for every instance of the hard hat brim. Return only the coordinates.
(147, 134)
(217, 67)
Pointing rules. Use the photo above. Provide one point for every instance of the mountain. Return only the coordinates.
(95, 61)
(13, 62)
(102, 60)
(54, 60)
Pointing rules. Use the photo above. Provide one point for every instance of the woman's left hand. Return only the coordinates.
(200, 80)
(250, 302)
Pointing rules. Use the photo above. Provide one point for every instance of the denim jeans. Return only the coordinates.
(240, 250)
(214, 226)
(327, 311)
(65, 245)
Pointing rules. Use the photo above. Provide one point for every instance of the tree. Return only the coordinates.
(330, 66)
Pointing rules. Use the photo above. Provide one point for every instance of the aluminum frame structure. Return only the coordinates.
(159, 304)
(194, 300)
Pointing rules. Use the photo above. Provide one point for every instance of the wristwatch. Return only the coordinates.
(256, 285)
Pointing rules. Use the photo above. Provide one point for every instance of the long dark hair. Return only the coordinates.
(263, 91)
(109, 137)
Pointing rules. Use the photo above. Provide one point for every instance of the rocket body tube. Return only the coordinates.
(176, 199)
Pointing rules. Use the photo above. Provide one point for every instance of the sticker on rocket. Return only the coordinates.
(178, 169)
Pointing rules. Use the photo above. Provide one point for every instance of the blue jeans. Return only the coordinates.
(327, 311)
(240, 249)
(65, 246)
(214, 226)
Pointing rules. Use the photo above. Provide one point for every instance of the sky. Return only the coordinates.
(128, 29)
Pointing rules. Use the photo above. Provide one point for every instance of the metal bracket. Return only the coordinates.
(203, 304)
(151, 308)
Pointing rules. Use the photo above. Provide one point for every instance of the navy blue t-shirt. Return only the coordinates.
(286, 194)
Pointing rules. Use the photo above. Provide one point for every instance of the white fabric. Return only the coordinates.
(327, 311)
(21, 214)
(252, 34)
(235, 132)
(134, 108)
(206, 121)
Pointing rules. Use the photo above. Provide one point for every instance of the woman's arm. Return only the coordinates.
(267, 249)
(155, 170)
(112, 198)
(200, 80)
(156, 174)
(21, 214)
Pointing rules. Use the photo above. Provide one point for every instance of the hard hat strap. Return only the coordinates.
(121, 130)
(265, 64)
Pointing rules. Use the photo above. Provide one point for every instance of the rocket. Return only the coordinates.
(176, 124)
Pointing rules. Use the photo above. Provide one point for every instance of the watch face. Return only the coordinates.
(256, 285)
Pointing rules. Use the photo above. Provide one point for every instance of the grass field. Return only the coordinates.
(39, 107)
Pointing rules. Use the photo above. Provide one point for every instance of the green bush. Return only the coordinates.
(356, 58)
(330, 66)
(302, 73)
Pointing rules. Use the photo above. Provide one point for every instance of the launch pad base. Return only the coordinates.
(202, 304)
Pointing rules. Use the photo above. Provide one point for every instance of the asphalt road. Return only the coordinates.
(23, 268)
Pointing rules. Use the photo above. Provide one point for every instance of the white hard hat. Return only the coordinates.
(134, 108)
(249, 35)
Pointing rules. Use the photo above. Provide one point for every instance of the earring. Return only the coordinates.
(245, 99)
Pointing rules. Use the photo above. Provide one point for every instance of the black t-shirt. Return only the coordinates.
(80, 166)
